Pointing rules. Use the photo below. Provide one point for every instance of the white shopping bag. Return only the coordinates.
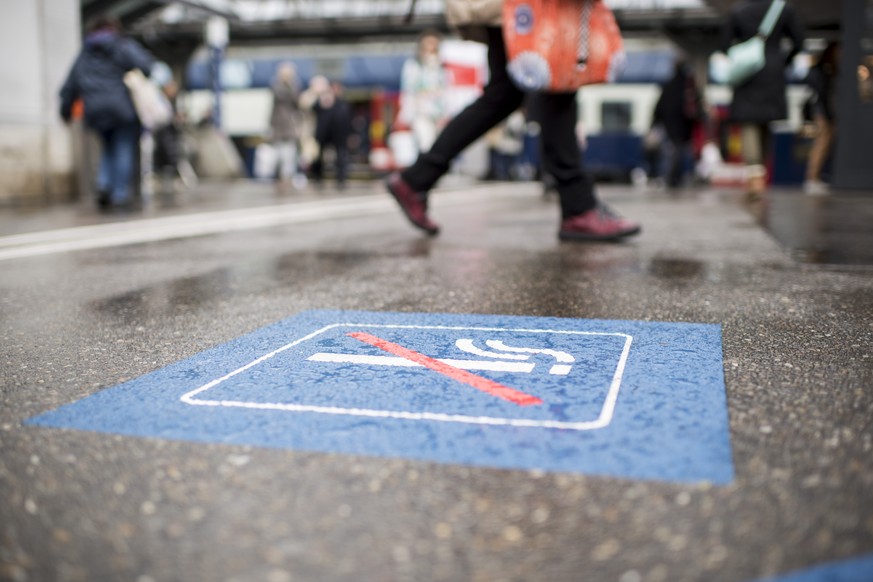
(152, 106)
(266, 161)
(403, 148)
(710, 161)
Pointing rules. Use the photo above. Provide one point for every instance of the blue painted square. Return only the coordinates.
(621, 398)
(858, 569)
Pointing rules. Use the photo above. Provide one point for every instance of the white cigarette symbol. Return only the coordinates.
(519, 355)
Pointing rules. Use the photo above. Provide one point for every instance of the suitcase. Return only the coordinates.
(561, 45)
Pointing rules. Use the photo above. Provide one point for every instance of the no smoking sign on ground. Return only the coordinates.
(621, 398)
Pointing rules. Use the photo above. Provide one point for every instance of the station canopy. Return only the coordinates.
(254, 10)
(308, 19)
(250, 12)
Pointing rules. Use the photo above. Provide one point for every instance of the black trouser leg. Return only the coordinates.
(677, 163)
(316, 169)
(342, 163)
(499, 99)
(562, 159)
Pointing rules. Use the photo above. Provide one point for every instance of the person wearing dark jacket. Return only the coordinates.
(333, 124)
(677, 111)
(97, 78)
(761, 99)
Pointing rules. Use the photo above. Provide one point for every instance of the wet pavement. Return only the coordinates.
(84, 310)
(831, 229)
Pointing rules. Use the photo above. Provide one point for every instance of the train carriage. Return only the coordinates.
(613, 118)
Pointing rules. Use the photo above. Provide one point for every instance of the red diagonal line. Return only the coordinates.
(478, 382)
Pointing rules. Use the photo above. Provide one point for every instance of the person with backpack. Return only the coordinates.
(583, 217)
(97, 77)
(760, 100)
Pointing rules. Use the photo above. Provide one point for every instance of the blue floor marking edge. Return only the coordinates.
(852, 570)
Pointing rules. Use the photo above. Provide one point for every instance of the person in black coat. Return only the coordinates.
(97, 77)
(333, 123)
(678, 110)
(761, 99)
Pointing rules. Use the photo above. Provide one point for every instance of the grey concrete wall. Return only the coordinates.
(38, 40)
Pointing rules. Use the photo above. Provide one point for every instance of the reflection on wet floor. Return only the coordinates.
(676, 270)
(290, 271)
(834, 229)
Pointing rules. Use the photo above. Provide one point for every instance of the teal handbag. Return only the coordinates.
(747, 58)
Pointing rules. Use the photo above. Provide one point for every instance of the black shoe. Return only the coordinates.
(103, 200)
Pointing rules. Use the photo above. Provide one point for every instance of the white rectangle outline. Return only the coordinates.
(602, 420)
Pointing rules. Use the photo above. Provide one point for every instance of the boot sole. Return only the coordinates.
(598, 237)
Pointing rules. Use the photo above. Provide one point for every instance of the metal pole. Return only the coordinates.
(215, 57)
(217, 36)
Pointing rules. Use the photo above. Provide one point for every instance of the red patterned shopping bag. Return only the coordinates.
(561, 45)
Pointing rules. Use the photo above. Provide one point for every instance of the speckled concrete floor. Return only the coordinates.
(798, 367)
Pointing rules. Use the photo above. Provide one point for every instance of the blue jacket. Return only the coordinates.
(97, 77)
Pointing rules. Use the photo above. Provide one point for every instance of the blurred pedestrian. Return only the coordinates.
(821, 110)
(285, 122)
(653, 149)
(423, 83)
(97, 77)
(582, 217)
(332, 126)
(506, 142)
(678, 111)
(761, 99)
(167, 157)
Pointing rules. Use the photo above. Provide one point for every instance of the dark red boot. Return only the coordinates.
(412, 203)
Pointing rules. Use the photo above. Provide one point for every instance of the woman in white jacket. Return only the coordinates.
(582, 217)
(423, 83)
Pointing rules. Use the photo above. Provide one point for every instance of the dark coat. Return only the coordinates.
(761, 99)
(97, 77)
(678, 108)
(333, 124)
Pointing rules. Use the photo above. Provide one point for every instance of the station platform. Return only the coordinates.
(164, 418)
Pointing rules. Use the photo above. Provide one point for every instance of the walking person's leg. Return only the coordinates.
(557, 114)
(284, 164)
(677, 163)
(298, 178)
(342, 164)
(499, 99)
(104, 171)
(754, 142)
(817, 156)
(316, 168)
(124, 150)
(582, 217)
(286, 155)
